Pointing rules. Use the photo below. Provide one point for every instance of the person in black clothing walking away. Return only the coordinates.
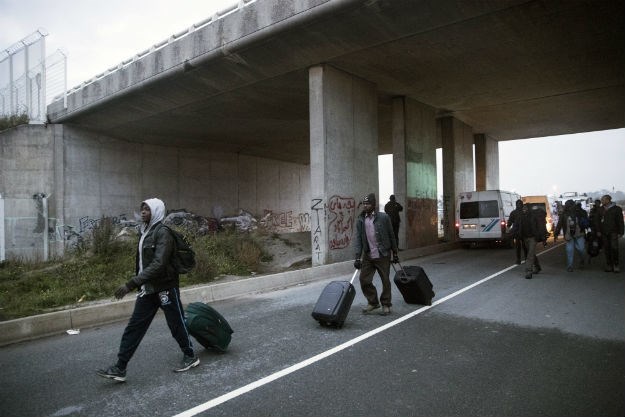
(611, 232)
(375, 242)
(593, 236)
(513, 227)
(531, 231)
(392, 208)
(158, 284)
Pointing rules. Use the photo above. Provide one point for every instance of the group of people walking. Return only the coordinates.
(376, 247)
(583, 233)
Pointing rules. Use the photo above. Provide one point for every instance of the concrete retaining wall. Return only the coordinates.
(87, 176)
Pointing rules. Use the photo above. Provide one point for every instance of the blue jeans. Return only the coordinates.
(576, 243)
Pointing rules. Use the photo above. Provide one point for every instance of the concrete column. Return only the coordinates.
(414, 171)
(458, 176)
(343, 158)
(486, 162)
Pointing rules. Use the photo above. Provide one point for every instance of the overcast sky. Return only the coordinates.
(97, 35)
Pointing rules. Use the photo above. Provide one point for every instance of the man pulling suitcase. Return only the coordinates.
(375, 243)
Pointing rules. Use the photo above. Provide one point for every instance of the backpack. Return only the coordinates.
(593, 244)
(184, 256)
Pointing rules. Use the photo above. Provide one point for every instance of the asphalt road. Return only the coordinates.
(507, 346)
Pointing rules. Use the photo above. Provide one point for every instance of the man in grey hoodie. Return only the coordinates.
(157, 281)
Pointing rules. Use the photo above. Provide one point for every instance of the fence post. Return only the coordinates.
(46, 240)
(2, 241)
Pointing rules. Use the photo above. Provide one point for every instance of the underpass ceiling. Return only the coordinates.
(509, 69)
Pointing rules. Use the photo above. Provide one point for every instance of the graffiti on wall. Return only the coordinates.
(285, 222)
(86, 224)
(341, 213)
(317, 213)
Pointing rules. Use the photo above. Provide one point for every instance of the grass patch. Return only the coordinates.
(7, 122)
(104, 262)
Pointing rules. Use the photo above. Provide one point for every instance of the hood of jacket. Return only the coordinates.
(157, 207)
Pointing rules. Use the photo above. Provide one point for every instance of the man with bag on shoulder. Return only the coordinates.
(375, 242)
(157, 281)
(573, 222)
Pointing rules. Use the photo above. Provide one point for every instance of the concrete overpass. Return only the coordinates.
(511, 69)
(283, 107)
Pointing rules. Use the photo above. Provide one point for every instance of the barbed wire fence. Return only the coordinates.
(29, 80)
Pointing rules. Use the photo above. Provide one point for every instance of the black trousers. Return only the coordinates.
(518, 245)
(610, 247)
(146, 307)
(396, 231)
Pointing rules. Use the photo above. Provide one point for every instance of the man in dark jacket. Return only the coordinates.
(392, 208)
(530, 231)
(375, 242)
(611, 232)
(513, 226)
(157, 281)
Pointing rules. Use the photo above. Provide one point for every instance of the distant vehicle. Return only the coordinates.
(482, 216)
(583, 199)
(541, 202)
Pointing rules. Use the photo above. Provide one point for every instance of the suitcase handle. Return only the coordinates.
(351, 281)
(404, 278)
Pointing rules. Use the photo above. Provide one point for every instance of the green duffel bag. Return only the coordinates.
(209, 327)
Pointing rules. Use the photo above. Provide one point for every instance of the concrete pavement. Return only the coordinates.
(108, 311)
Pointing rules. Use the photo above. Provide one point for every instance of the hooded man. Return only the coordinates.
(157, 281)
(375, 242)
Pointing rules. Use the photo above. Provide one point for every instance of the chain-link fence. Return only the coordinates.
(28, 79)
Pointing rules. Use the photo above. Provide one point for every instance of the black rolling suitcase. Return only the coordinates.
(334, 302)
(414, 285)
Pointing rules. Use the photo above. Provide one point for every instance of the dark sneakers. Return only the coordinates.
(114, 373)
(187, 363)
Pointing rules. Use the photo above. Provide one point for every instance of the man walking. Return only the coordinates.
(375, 242)
(158, 285)
(611, 232)
(573, 223)
(392, 208)
(513, 226)
(530, 231)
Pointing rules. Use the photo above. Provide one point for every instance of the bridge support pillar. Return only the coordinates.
(343, 158)
(486, 163)
(414, 176)
(458, 175)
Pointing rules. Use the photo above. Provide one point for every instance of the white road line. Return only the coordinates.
(263, 381)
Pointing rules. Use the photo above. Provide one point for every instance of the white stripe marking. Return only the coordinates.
(266, 380)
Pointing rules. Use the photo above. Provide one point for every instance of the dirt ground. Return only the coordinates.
(289, 251)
